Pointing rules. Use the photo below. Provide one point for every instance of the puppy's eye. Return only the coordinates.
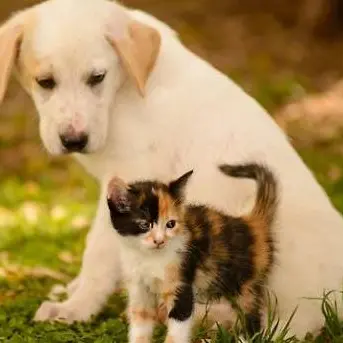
(95, 79)
(171, 224)
(46, 82)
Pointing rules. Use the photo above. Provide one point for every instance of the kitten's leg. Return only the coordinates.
(216, 312)
(253, 322)
(250, 303)
(162, 312)
(180, 305)
(141, 312)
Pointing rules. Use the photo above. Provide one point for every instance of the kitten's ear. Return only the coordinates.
(177, 187)
(117, 196)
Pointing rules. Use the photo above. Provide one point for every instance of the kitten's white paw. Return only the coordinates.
(62, 312)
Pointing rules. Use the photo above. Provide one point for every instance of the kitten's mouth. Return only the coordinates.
(159, 247)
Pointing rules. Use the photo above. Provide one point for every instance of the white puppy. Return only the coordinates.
(117, 88)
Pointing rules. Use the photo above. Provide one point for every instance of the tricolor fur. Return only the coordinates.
(203, 254)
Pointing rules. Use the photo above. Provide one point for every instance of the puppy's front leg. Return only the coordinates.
(100, 275)
(180, 315)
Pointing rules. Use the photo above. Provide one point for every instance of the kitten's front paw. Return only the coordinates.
(61, 312)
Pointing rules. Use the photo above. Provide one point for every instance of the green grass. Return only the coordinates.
(43, 224)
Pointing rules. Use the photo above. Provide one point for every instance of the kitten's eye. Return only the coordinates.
(171, 224)
(95, 79)
(145, 226)
(48, 83)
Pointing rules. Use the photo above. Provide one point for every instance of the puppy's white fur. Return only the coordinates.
(193, 116)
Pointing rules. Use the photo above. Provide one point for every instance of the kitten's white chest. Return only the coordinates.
(149, 266)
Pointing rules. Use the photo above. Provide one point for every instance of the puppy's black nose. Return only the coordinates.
(74, 143)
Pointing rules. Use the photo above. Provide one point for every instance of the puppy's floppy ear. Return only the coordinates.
(118, 196)
(11, 34)
(138, 50)
(177, 187)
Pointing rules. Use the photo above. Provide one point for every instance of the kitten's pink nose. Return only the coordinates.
(159, 242)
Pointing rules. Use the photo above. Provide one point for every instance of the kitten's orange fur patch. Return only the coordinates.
(139, 315)
(220, 252)
(170, 285)
(149, 238)
(162, 312)
(170, 340)
(216, 222)
(142, 339)
(261, 247)
(247, 299)
(172, 272)
(141, 198)
(165, 204)
(168, 293)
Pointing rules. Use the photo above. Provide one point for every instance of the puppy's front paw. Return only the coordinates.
(61, 312)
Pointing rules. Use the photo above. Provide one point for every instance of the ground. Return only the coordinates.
(46, 205)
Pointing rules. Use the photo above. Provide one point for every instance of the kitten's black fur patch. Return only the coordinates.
(239, 268)
(122, 222)
(143, 205)
(184, 303)
(147, 201)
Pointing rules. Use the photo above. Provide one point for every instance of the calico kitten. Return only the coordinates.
(178, 253)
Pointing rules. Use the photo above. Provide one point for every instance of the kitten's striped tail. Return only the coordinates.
(267, 188)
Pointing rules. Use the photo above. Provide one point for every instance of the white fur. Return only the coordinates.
(73, 103)
(179, 332)
(143, 269)
(139, 331)
(192, 117)
(146, 263)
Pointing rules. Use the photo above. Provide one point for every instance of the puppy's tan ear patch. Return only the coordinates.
(10, 37)
(138, 52)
